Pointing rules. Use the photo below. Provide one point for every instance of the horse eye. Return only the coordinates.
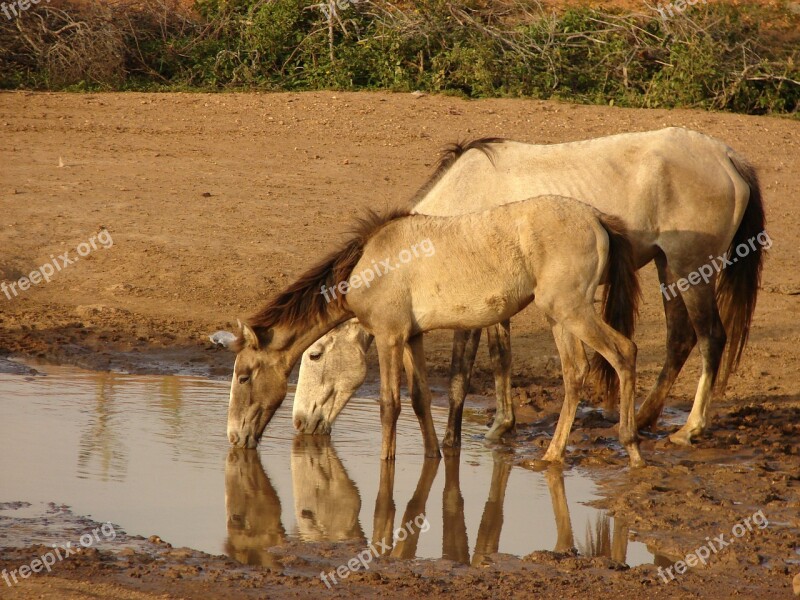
(315, 355)
(243, 379)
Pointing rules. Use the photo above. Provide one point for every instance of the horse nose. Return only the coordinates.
(233, 437)
(299, 423)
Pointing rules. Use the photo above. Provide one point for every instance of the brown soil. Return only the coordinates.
(215, 202)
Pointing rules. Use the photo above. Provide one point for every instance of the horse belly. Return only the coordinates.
(464, 310)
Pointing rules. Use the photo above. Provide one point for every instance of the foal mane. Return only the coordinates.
(449, 154)
(302, 302)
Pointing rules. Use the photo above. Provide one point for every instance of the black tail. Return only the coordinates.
(739, 283)
(621, 297)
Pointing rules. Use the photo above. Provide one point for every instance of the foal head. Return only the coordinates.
(271, 343)
(259, 382)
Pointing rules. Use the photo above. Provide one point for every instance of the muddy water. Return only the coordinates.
(150, 454)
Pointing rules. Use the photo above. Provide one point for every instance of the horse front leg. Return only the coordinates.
(415, 508)
(414, 361)
(500, 355)
(383, 517)
(465, 347)
(455, 544)
(390, 359)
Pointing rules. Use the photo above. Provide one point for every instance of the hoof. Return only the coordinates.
(611, 415)
(551, 459)
(681, 438)
(496, 433)
(434, 453)
(637, 462)
(451, 442)
(646, 422)
(538, 464)
(451, 450)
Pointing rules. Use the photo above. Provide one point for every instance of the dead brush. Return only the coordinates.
(67, 42)
(68, 46)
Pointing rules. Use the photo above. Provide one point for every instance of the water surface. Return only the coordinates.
(149, 453)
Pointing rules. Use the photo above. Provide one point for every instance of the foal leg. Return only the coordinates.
(383, 517)
(414, 360)
(680, 341)
(465, 347)
(701, 304)
(455, 544)
(407, 548)
(565, 540)
(620, 352)
(500, 354)
(575, 366)
(619, 541)
(390, 359)
(488, 540)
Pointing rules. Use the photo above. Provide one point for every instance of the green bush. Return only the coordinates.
(714, 56)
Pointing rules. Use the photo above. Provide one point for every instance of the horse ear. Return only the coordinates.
(226, 339)
(248, 335)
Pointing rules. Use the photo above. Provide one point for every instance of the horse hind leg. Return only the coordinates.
(574, 367)
(465, 347)
(500, 354)
(701, 304)
(414, 361)
(681, 339)
(620, 352)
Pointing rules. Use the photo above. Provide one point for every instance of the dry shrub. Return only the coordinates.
(67, 42)
(70, 43)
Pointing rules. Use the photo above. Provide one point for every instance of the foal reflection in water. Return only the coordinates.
(253, 511)
(328, 504)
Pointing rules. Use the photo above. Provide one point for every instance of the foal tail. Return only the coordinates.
(621, 296)
(739, 283)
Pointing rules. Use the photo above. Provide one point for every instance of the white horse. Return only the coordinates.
(326, 501)
(684, 197)
(476, 270)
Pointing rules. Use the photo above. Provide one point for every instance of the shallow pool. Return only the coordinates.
(149, 453)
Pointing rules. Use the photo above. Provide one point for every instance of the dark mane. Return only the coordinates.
(302, 301)
(449, 154)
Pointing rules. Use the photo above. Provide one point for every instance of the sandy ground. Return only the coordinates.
(214, 202)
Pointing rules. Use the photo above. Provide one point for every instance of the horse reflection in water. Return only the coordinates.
(327, 507)
(253, 509)
(326, 501)
(455, 541)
